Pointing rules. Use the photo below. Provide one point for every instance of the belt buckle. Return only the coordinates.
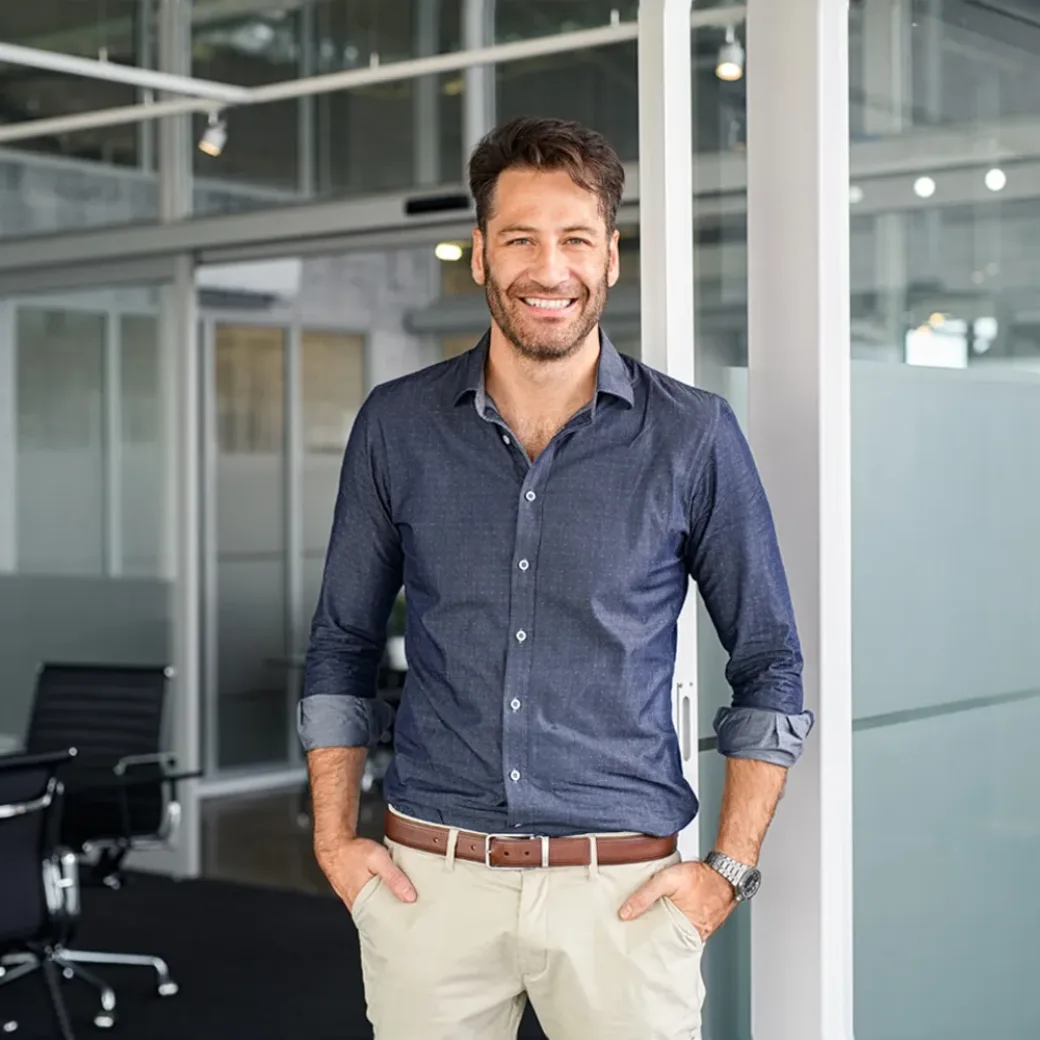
(488, 838)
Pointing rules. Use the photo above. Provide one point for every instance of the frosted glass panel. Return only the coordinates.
(60, 364)
(254, 717)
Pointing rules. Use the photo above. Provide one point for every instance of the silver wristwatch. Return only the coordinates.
(745, 880)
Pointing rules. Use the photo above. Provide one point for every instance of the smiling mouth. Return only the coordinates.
(548, 306)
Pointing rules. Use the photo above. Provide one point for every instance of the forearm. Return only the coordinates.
(749, 798)
(335, 776)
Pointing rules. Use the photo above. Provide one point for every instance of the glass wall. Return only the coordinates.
(382, 137)
(946, 421)
(83, 461)
(295, 345)
(86, 178)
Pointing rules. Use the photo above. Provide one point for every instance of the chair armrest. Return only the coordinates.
(13, 809)
(125, 775)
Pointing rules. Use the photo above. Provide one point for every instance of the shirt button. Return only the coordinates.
(514, 775)
(530, 496)
(514, 704)
(521, 636)
(523, 565)
(505, 439)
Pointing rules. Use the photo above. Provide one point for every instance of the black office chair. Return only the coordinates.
(121, 791)
(38, 879)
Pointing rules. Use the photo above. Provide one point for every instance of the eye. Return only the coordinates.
(578, 242)
(519, 242)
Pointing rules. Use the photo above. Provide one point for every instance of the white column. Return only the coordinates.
(176, 147)
(667, 285)
(799, 368)
(478, 100)
(182, 520)
(8, 438)
(426, 94)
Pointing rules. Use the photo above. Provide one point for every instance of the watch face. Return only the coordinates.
(752, 883)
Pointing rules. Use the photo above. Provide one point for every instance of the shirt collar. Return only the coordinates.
(612, 375)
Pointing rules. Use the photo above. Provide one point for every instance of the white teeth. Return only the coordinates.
(548, 305)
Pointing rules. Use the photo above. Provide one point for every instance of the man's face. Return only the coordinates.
(546, 262)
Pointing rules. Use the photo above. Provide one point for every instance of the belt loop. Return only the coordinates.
(449, 852)
(593, 856)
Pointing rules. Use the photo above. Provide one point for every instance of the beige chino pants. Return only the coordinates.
(461, 961)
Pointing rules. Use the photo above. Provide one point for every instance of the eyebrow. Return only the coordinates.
(514, 228)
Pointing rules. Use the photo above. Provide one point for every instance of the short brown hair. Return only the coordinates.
(547, 144)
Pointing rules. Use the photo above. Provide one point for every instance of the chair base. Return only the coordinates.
(44, 961)
(70, 964)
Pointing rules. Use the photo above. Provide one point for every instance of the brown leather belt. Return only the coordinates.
(521, 851)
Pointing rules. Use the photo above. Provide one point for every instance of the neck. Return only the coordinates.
(542, 389)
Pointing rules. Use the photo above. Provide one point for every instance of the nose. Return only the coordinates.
(550, 267)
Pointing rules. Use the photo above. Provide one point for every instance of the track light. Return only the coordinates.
(730, 65)
(214, 137)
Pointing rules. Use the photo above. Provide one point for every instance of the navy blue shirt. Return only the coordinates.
(542, 601)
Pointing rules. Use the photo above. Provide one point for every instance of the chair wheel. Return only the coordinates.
(104, 1020)
(168, 989)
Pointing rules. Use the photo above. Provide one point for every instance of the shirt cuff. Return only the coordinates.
(769, 736)
(329, 720)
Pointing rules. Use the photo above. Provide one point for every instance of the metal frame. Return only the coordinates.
(667, 284)
(799, 376)
(289, 320)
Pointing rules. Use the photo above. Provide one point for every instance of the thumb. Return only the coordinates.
(643, 898)
(394, 877)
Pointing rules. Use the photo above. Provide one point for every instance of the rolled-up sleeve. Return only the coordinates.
(733, 556)
(363, 574)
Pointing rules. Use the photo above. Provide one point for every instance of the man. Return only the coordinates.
(545, 502)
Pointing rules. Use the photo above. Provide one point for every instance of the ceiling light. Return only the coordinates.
(214, 137)
(924, 187)
(730, 66)
(855, 194)
(449, 252)
(996, 179)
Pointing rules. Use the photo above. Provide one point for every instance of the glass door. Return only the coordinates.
(248, 629)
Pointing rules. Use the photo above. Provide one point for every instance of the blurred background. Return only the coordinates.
(194, 308)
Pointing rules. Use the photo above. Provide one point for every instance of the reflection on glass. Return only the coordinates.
(946, 420)
(60, 491)
(108, 29)
(333, 387)
(253, 709)
(597, 87)
(249, 50)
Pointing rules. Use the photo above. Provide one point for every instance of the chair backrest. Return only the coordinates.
(107, 713)
(30, 800)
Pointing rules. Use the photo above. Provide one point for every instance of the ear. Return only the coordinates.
(614, 262)
(476, 262)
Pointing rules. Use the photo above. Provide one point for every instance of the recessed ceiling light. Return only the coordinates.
(449, 252)
(924, 187)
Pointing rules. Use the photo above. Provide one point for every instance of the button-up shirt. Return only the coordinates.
(542, 601)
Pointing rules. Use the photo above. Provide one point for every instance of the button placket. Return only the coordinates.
(516, 738)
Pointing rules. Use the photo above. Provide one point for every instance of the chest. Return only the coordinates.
(594, 517)
(535, 435)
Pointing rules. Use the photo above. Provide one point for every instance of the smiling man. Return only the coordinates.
(545, 502)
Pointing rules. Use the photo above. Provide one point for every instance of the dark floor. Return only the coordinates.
(260, 949)
(262, 840)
